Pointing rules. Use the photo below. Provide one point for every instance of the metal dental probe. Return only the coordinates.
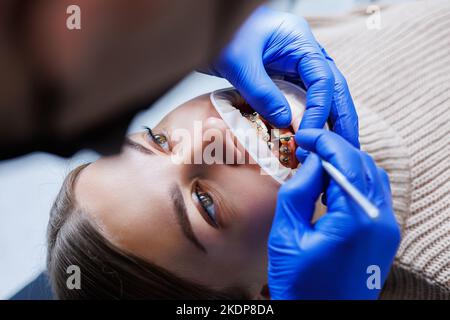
(371, 210)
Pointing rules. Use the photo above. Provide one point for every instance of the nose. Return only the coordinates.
(211, 142)
(220, 146)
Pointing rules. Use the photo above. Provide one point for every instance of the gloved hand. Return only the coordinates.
(272, 42)
(333, 258)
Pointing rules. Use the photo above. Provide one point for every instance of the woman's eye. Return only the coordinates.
(207, 204)
(159, 139)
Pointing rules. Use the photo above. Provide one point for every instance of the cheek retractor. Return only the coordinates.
(246, 125)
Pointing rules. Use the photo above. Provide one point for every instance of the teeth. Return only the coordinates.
(262, 131)
(285, 150)
(284, 159)
(258, 124)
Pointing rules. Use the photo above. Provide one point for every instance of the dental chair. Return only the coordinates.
(38, 289)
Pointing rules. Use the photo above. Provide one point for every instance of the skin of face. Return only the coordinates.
(129, 196)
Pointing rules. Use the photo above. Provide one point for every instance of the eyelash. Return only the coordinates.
(160, 139)
(207, 203)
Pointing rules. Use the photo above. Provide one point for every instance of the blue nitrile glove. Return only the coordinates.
(333, 258)
(278, 43)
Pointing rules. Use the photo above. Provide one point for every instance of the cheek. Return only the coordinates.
(256, 213)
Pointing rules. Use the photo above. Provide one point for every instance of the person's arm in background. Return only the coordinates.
(62, 90)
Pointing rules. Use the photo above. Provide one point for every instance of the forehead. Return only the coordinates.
(126, 201)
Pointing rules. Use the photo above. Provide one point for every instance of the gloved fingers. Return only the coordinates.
(375, 188)
(318, 79)
(300, 193)
(386, 186)
(385, 180)
(379, 185)
(295, 208)
(379, 190)
(258, 89)
(343, 116)
(336, 150)
(389, 215)
(345, 217)
(324, 52)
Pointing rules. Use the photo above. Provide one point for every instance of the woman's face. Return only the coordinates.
(208, 223)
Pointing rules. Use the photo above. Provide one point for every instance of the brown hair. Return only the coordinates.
(107, 272)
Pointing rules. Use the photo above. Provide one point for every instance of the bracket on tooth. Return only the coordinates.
(285, 149)
(285, 139)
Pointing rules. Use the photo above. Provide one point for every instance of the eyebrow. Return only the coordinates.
(182, 217)
(137, 146)
(177, 200)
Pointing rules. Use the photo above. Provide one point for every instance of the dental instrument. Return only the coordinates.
(356, 195)
(371, 210)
